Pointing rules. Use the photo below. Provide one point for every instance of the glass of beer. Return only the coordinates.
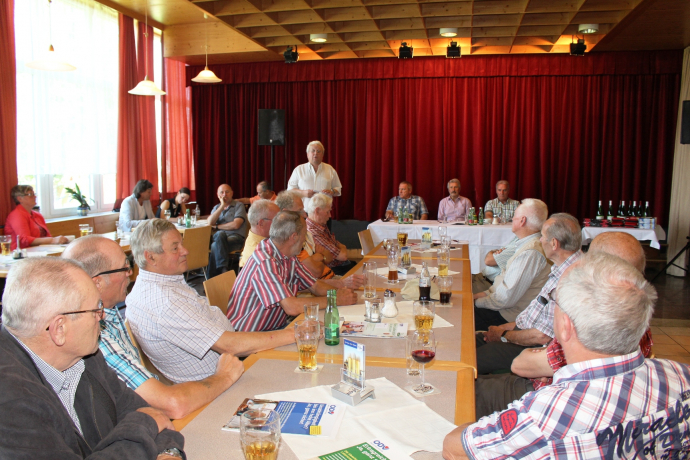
(260, 434)
(402, 236)
(443, 257)
(393, 263)
(369, 273)
(424, 312)
(5, 243)
(307, 337)
(445, 286)
(83, 229)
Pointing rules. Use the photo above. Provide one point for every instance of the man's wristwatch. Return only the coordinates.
(173, 452)
(503, 336)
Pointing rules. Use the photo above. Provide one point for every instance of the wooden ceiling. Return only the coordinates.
(259, 30)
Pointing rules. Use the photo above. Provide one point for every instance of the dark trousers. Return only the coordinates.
(483, 318)
(223, 244)
(343, 269)
(493, 356)
(494, 392)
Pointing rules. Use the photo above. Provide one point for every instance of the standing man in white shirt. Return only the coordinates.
(315, 176)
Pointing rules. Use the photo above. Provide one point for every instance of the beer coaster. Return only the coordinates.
(315, 371)
(434, 390)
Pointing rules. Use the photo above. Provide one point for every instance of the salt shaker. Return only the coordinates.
(375, 312)
(390, 309)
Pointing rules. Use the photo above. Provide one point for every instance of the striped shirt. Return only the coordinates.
(504, 210)
(538, 316)
(619, 407)
(175, 326)
(323, 236)
(454, 210)
(414, 205)
(501, 259)
(119, 351)
(266, 279)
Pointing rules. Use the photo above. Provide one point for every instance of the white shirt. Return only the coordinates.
(305, 178)
(142, 211)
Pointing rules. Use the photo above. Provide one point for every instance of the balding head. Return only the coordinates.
(529, 217)
(89, 250)
(622, 245)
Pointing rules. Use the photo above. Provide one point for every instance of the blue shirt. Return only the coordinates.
(414, 204)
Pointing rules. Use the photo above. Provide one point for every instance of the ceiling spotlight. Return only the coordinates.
(405, 52)
(453, 50)
(448, 31)
(291, 56)
(588, 28)
(318, 38)
(578, 49)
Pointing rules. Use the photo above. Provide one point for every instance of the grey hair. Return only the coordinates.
(259, 210)
(319, 200)
(535, 211)
(323, 149)
(566, 230)
(148, 236)
(609, 302)
(285, 224)
(38, 289)
(87, 251)
(286, 199)
(20, 190)
(503, 181)
(620, 244)
(457, 181)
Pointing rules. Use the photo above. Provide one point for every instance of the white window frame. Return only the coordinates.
(46, 195)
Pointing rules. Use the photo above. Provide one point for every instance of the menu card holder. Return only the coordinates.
(352, 388)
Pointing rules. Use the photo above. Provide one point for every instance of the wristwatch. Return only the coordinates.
(173, 452)
(503, 336)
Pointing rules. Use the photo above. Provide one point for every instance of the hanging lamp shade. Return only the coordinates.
(206, 76)
(146, 88)
(51, 61)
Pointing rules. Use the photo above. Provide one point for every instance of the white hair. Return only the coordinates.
(320, 201)
(287, 199)
(259, 210)
(313, 143)
(37, 290)
(535, 211)
(285, 224)
(148, 236)
(565, 229)
(608, 301)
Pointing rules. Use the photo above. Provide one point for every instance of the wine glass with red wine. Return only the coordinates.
(423, 350)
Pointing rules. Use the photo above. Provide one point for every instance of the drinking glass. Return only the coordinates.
(443, 257)
(5, 243)
(369, 273)
(423, 350)
(402, 236)
(83, 229)
(445, 241)
(393, 261)
(166, 214)
(311, 311)
(412, 365)
(307, 337)
(260, 434)
(119, 230)
(442, 231)
(424, 312)
(445, 286)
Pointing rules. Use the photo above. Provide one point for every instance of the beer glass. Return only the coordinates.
(445, 241)
(166, 214)
(445, 285)
(307, 337)
(260, 434)
(369, 273)
(442, 231)
(311, 311)
(393, 261)
(443, 257)
(402, 236)
(83, 229)
(423, 350)
(424, 312)
(5, 243)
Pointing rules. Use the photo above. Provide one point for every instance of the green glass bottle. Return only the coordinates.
(331, 320)
(646, 212)
(188, 219)
(600, 212)
(610, 214)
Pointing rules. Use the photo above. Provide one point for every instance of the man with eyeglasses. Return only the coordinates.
(260, 216)
(109, 268)
(58, 396)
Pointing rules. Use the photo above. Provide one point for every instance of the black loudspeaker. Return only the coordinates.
(685, 124)
(271, 127)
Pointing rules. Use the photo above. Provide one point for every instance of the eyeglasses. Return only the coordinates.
(30, 195)
(128, 268)
(99, 311)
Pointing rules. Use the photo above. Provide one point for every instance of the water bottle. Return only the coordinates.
(331, 320)
(425, 283)
(188, 219)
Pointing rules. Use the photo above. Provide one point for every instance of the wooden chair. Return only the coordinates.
(145, 359)
(218, 290)
(366, 241)
(197, 241)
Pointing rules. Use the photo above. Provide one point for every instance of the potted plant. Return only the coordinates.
(78, 196)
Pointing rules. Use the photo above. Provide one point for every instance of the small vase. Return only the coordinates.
(82, 211)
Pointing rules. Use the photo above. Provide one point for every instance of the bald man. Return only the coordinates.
(229, 220)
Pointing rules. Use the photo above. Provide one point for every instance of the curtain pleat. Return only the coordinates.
(8, 108)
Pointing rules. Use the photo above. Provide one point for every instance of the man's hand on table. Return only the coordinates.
(230, 367)
(60, 240)
(494, 334)
(346, 297)
(389, 214)
(161, 419)
(354, 281)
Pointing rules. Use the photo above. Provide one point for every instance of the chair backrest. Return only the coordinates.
(218, 290)
(145, 359)
(366, 241)
(197, 241)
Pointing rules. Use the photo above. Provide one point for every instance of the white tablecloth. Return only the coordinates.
(653, 236)
(481, 238)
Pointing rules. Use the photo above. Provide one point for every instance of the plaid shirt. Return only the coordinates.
(414, 204)
(175, 326)
(506, 211)
(119, 351)
(538, 316)
(323, 236)
(619, 407)
(267, 278)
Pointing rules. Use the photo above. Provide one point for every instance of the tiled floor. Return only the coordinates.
(671, 321)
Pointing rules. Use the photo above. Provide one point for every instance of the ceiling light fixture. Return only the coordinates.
(448, 31)
(206, 76)
(318, 38)
(291, 56)
(578, 49)
(453, 50)
(588, 28)
(146, 87)
(405, 52)
(50, 61)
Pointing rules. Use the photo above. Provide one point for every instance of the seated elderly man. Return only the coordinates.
(59, 398)
(454, 206)
(525, 274)
(260, 216)
(229, 219)
(608, 402)
(406, 201)
(263, 297)
(106, 263)
(319, 211)
(502, 205)
(561, 238)
(178, 330)
(263, 192)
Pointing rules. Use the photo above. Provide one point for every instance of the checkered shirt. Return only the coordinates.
(619, 407)
(267, 278)
(119, 351)
(506, 211)
(538, 316)
(323, 236)
(414, 204)
(64, 383)
(175, 326)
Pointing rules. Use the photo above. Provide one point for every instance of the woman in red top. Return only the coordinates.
(24, 223)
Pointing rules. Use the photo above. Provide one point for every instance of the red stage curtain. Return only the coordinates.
(567, 130)
(8, 108)
(178, 164)
(136, 137)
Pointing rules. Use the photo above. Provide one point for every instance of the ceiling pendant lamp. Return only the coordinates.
(146, 87)
(206, 75)
(50, 61)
